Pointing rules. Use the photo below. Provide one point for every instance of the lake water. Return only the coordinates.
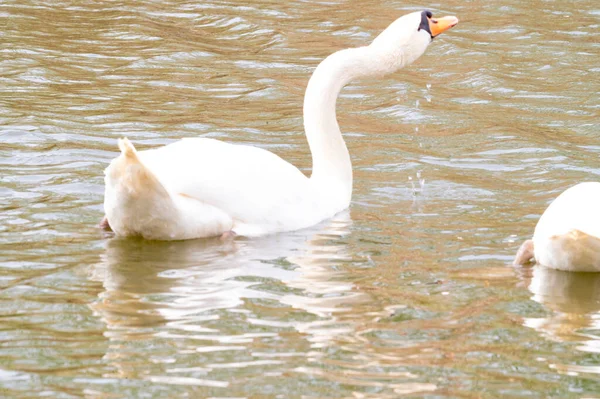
(408, 294)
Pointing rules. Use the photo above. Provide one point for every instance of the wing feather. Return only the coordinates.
(252, 185)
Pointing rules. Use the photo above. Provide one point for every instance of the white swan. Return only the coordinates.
(202, 187)
(567, 236)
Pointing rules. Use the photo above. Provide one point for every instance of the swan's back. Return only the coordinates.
(578, 208)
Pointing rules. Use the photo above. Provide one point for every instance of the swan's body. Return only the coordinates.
(567, 236)
(202, 187)
(232, 197)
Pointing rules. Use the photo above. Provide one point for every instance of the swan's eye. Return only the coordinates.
(435, 26)
(425, 19)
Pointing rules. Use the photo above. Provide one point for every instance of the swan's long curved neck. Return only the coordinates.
(331, 162)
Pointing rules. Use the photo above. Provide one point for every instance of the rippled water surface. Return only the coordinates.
(409, 294)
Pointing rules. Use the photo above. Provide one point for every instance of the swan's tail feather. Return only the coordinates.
(127, 149)
(130, 174)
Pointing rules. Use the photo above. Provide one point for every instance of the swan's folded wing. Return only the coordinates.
(252, 185)
(573, 251)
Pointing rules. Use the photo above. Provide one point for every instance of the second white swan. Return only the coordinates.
(567, 236)
(201, 187)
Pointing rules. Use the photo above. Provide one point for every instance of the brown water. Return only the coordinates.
(409, 294)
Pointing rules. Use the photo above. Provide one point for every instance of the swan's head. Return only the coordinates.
(407, 38)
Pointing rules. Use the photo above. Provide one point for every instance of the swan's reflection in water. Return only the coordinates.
(574, 302)
(238, 303)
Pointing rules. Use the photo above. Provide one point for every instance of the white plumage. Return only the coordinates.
(567, 236)
(202, 187)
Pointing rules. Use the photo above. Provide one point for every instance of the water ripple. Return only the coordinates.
(408, 294)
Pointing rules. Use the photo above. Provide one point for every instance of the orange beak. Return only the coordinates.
(439, 25)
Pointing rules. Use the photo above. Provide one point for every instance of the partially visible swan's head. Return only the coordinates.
(407, 38)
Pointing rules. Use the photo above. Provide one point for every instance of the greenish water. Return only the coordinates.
(409, 294)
